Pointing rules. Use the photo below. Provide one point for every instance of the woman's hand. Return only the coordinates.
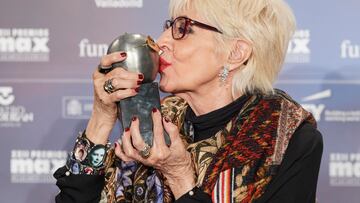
(104, 112)
(173, 161)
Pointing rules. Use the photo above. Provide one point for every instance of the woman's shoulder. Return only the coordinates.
(306, 139)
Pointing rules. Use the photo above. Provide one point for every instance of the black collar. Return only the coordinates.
(207, 125)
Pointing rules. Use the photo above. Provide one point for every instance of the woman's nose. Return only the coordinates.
(165, 39)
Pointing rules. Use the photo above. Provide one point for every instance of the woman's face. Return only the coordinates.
(76, 168)
(193, 65)
(97, 156)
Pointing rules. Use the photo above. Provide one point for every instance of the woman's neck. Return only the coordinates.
(208, 98)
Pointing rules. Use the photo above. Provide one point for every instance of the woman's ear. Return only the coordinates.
(239, 54)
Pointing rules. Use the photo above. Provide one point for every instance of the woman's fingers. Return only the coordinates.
(121, 73)
(133, 142)
(119, 153)
(114, 57)
(161, 156)
(128, 147)
(158, 129)
(110, 99)
(107, 61)
(122, 94)
(136, 138)
(121, 83)
(171, 129)
(123, 88)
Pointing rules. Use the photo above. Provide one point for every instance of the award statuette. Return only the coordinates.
(142, 56)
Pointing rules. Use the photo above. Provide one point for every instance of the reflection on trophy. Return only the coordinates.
(142, 56)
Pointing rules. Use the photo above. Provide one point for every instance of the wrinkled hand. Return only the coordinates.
(173, 161)
(104, 112)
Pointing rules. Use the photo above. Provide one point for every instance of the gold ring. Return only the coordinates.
(145, 153)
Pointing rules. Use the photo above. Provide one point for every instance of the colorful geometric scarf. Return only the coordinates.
(234, 165)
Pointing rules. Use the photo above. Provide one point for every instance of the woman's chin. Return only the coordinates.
(164, 88)
(164, 85)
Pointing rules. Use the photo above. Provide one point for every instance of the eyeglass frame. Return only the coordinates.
(188, 22)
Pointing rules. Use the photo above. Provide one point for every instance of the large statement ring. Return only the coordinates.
(145, 153)
(104, 69)
(108, 87)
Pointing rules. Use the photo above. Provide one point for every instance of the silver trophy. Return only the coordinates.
(143, 57)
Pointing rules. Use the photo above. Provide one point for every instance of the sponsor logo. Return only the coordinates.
(76, 107)
(344, 169)
(298, 50)
(12, 115)
(316, 109)
(35, 166)
(119, 3)
(342, 116)
(6, 97)
(320, 112)
(349, 50)
(91, 50)
(24, 44)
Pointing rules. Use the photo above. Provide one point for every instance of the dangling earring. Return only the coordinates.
(224, 74)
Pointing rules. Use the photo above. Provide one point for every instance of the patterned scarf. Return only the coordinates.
(235, 165)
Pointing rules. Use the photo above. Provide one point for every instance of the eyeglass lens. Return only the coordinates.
(178, 27)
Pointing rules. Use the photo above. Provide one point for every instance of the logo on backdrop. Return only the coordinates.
(6, 96)
(119, 3)
(12, 115)
(299, 50)
(24, 44)
(349, 50)
(316, 109)
(35, 166)
(320, 112)
(91, 50)
(344, 169)
(76, 107)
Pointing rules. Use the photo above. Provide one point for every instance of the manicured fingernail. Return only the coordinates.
(134, 118)
(166, 119)
(116, 145)
(139, 82)
(141, 76)
(136, 89)
(127, 129)
(123, 54)
(154, 110)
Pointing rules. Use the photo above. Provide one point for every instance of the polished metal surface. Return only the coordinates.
(142, 56)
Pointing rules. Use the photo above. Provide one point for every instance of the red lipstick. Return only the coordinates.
(163, 64)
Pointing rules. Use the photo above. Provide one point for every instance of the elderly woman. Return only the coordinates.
(233, 137)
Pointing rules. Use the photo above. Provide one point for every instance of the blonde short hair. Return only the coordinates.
(267, 25)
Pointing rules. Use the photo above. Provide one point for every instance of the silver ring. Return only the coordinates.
(108, 86)
(145, 153)
(104, 69)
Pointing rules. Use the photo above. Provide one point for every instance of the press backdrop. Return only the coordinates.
(48, 50)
